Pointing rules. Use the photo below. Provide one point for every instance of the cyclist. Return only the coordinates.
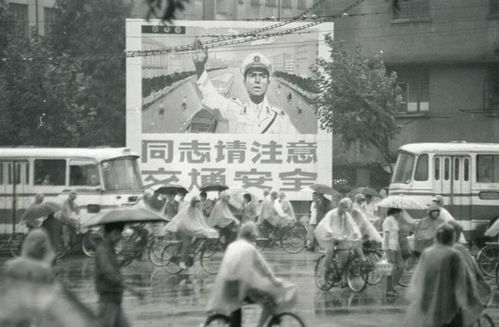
(222, 218)
(189, 223)
(368, 231)
(338, 231)
(244, 275)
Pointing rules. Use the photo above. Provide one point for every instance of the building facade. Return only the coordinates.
(446, 56)
(37, 15)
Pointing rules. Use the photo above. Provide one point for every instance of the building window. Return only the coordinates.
(49, 20)
(494, 7)
(414, 87)
(286, 3)
(412, 9)
(20, 13)
(50, 172)
(255, 2)
(271, 3)
(302, 4)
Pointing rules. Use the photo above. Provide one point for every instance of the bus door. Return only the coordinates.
(15, 191)
(461, 188)
(442, 181)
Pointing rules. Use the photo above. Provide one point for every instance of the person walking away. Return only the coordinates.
(441, 292)
(249, 209)
(318, 209)
(391, 247)
(189, 223)
(109, 283)
(245, 276)
(339, 231)
(36, 259)
(426, 229)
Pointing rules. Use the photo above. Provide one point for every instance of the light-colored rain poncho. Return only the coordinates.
(221, 215)
(243, 269)
(335, 227)
(365, 226)
(442, 285)
(287, 209)
(425, 232)
(190, 221)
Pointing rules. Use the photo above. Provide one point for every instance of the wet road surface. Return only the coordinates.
(179, 300)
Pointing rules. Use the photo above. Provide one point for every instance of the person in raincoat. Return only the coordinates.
(442, 292)
(223, 219)
(245, 276)
(206, 204)
(367, 230)
(249, 209)
(319, 207)
(426, 229)
(188, 223)
(338, 231)
(445, 215)
(286, 207)
(36, 260)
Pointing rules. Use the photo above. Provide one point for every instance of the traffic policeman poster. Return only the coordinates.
(226, 102)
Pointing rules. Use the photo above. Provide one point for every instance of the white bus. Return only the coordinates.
(102, 177)
(465, 174)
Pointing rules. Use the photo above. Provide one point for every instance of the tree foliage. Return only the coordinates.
(357, 98)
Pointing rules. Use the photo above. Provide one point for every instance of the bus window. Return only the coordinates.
(487, 168)
(50, 172)
(83, 173)
(1, 173)
(456, 169)
(21, 172)
(437, 169)
(403, 169)
(446, 169)
(466, 169)
(121, 174)
(421, 173)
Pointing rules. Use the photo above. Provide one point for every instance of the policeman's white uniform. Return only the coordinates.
(249, 118)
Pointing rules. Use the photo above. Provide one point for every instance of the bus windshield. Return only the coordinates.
(403, 168)
(121, 174)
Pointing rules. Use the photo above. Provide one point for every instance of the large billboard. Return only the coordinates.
(237, 113)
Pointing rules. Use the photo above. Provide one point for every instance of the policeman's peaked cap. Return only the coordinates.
(256, 60)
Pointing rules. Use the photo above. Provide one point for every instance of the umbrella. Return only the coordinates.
(125, 215)
(401, 202)
(169, 188)
(214, 187)
(36, 211)
(364, 190)
(325, 189)
(237, 197)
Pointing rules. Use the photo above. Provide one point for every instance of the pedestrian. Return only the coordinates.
(109, 282)
(245, 276)
(319, 207)
(441, 292)
(36, 259)
(255, 117)
(69, 217)
(426, 229)
(33, 223)
(391, 248)
(249, 209)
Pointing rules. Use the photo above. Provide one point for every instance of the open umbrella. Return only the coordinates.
(36, 211)
(124, 215)
(325, 189)
(214, 187)
(364, 190)
(169, 188)
(401, 202)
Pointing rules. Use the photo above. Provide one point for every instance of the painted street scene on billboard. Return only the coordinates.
(249, 163)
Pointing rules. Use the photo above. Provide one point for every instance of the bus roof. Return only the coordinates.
(450, 147)
(99, 154)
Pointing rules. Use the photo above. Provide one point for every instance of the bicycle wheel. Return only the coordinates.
(356, 275)
(322, 283)
(15, 244)
(211, 256)
(294, 239)
(89, 242)
(286, 319)
(409, 267)
(487, 259)
(217, 320)
(154, 251)
(170, 257)
(373, 276)
(484, 320)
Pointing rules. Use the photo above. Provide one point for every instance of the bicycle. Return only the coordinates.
(409, 266)
(354, 271)
(484, 320)
(488, 258)
(282, 319)
(292, 238)
(210, 252)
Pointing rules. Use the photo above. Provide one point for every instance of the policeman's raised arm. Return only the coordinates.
(199, 58)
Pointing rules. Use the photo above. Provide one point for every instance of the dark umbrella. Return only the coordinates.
(124, 215)
(36, 211)
(325, 189)
(169, 188)
(214, 187)
(364, 190)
